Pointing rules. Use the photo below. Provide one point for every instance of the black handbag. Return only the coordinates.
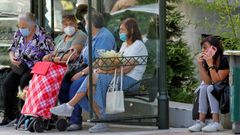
(21, 69)
(73, 69)
(195, 113)
(222, 93)
(73, 66)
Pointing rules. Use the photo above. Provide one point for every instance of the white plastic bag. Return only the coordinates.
(115, 97)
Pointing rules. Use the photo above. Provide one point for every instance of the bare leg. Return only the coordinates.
(78, 96)
(215, 117)
(202, 117)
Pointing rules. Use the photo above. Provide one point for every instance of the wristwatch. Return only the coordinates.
(211, 68)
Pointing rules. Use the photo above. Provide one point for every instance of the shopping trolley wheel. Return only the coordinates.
(61, 124)
(29, 125)
(31, 129)
(39, 126)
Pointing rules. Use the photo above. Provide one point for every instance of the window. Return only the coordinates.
(9, 11)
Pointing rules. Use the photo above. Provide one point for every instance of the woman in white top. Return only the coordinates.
(132, 46)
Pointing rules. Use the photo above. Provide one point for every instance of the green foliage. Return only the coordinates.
(143, 2)
(4, 58)
(228, 26)
(181, 81)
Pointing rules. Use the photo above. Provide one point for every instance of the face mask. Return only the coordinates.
(123, 36)
(69, 30)
(25, 32)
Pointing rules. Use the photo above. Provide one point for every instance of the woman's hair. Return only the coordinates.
(82, 9)
(97, 19)
(132, 29)
(70, 17)
(214, 41)
(29, 17)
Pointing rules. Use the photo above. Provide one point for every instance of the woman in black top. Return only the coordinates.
(213, 68)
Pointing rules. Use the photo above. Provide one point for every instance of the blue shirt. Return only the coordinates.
(103, 40)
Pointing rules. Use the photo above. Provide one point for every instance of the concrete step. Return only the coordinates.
(180, 114)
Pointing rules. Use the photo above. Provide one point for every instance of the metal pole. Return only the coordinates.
(52, 18)
(41, 12)
(163, 99)
(100, 6)
(32, 6)
(90, 56)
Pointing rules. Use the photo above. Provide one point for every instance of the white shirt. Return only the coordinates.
(136, 49)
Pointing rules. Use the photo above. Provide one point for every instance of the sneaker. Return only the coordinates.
(74, 127)
(62, 110)
(6, 121)
(197, 127)
(99, 127)
(213, 127)
(12, 123)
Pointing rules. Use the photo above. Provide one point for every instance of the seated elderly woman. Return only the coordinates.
(103, 39)
(72, 38)
(132, 46)
(30, 44)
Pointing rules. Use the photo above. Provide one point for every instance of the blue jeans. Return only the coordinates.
(67, 92)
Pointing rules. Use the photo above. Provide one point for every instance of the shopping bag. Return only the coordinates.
(43, 91)
(115, 97)
(41, 68)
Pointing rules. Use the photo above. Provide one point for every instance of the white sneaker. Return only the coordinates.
(213, 127)
(62, 110)
(197, 127)
(12, 123)
(99, 127)
(74, 127)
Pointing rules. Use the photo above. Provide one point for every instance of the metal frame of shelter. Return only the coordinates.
(38, 6)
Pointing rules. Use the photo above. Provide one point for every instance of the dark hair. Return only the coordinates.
(132, 29)
(69, 18)
(97, 19)
(214, 41)
(82, 9)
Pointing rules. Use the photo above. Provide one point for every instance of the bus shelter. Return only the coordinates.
(154, 85)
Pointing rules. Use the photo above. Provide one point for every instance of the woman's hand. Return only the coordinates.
(208, 58)
(47, 57)
(200, 59)
(99, 71)
(76, 76)
(56, 59)
(14, 61)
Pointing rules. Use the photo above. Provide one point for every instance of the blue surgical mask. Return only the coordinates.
(123, 36)
(24, 31)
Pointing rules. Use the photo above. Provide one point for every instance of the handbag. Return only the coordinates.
(115, 97)
(74, 66)
(222, 93)
(21, 69)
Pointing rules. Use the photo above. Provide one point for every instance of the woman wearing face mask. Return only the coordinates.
(132, 46)
(72, 38)
(30, 44)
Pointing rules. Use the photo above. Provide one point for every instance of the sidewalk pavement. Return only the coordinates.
(116, 130)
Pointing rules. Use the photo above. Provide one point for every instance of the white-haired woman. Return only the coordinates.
(30, 44)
